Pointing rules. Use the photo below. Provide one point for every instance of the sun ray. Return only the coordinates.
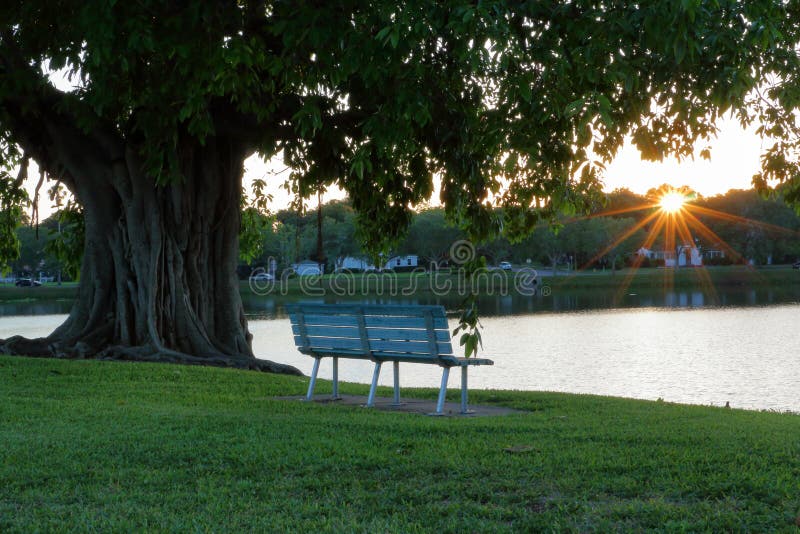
(637, 263)
(674, 223)
(669, 245)
(743, 220)
(629, 232)
(620, 211)
(709, 234)
(702, 274)
(609, 213)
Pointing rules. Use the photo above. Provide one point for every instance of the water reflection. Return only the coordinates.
(689, 355)
(490, 305)
(560, 301)
(35, 307)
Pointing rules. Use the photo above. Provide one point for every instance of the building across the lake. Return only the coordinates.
(682, 256)
(308, 267)
(710, 254)
(409, 260)
(351, 263)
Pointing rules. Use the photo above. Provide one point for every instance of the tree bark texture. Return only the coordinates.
(158, 280)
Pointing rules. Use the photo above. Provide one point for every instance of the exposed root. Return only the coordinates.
(46, 348)
(37, 348)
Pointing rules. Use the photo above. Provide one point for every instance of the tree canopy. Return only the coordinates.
(506, 101)
(510, 103)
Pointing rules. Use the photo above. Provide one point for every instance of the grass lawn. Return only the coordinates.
(11, 293)
(108, 446)
(684, 278)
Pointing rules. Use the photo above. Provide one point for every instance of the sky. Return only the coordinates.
(735, 158)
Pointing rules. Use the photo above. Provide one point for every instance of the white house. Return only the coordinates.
(410, 260)
(353, 264)
(690, 257)
(687, 256)
(308, 267)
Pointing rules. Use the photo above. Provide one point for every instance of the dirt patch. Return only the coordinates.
(420, 406)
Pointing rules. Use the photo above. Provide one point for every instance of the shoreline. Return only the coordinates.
(488, 283)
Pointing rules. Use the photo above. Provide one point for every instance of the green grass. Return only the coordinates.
(109, 446)
(685, 278)
(11, 293)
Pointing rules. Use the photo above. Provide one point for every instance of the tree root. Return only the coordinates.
(48, 348)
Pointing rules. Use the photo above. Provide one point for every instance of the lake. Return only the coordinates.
(672, 346)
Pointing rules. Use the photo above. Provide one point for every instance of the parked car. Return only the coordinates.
(506, 266)
(796, 265)
(262, 277)
(27, 282)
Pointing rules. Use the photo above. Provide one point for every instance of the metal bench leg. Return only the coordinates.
(336, 379)
(396, 383)
(442, 391)
(375, 375)
(313, 380)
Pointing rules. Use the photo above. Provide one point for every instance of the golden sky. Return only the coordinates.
(735, 157)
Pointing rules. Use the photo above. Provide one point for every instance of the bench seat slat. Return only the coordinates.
(406, 334)
(327, 320)
(408, 357)
(368, 309)
(440, 323)
(388, 334)
(372, 321)
(328, 331)
(320, 343)
(346, 353)
(417, 347)
(445, 360)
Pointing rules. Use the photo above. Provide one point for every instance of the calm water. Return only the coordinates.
(679, 349)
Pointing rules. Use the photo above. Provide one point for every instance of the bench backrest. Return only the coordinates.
(409, 332)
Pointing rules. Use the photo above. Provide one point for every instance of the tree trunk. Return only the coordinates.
(158, 280)
(321, 259)
(554, 262)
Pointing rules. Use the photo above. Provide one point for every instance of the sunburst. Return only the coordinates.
(672, 201)
(673, 220)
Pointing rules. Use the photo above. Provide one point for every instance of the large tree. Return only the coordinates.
(510, 103)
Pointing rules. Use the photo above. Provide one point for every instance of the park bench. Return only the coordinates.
(413, 334)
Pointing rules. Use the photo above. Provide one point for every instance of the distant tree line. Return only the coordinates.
(743, 225)
(53, 248)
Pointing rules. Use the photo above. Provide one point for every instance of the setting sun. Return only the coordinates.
(672, 202)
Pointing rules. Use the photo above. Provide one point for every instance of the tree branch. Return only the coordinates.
(44, 121)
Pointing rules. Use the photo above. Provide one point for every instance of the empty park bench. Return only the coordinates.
(414, 334)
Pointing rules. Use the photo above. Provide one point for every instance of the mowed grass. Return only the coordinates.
(109, 446)
(731, 276)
